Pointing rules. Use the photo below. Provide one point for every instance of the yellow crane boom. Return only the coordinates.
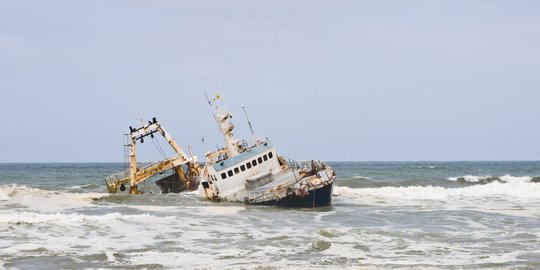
(138, 174)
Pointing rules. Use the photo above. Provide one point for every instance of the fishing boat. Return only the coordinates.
(176, 174)
(257, 174)
(238, 172)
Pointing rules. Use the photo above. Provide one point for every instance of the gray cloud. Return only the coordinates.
(334, 80)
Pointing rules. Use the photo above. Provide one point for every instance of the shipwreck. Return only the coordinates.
(237, 172)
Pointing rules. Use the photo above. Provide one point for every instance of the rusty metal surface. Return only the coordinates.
(137, 174)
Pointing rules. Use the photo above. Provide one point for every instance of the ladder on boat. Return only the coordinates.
(135, 174)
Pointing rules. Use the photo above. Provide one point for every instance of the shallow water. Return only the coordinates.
(411, 215)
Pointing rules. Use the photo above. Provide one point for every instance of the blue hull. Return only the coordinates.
(321, 197)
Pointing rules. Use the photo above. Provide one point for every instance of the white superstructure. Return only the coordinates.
(255, 173)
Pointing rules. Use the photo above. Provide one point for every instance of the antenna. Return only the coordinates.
(249, 122)
(207, 99)
(204, 144)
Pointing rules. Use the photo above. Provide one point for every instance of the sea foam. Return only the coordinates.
(6, 191)
(44, 200)
(75, 220)
(515, 187)
(490, 178)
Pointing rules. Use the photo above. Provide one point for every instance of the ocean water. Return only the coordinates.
(385, 215)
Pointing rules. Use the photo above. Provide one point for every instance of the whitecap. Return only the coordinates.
(44, 200)
(489, 178)
(361, 177)
(516, 188)
(516, 179)
(218, 210)
(471, 178)
(59, 219)
(6, 191)
(153, 208)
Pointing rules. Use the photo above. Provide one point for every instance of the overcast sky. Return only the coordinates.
(332, 80)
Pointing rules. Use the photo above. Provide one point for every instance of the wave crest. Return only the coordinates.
(484, 179)
(6, 191)
(361, 177)
(75, 220)
(39, 199)
(513, 189)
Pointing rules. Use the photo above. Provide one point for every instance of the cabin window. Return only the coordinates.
(243, 168)
(223, 176)
(265, 157)
(270, 155)
(248, 165)
(230, 173)
(254, 163)
(260, 160)
(236, 170)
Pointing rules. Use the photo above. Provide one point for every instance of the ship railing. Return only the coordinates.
(117, 176)
(260, 196)
(297, 166)
(306, 165)
(123, 177)
(125, 174)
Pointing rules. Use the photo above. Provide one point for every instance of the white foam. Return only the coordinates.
(21, 248)
(516, 179)
(427, 167)
(6, 191)
(480, 178)
(77, 233)
(470, 178)
(515, 198)
(515, 189)
(153, 208)
(43, 200)
(405, 249)
(64, 219)
(361, 177)
(217, 210)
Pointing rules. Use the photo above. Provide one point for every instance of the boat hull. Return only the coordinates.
(320, 197)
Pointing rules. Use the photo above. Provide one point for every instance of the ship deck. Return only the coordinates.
(276, 189)
(280, 182)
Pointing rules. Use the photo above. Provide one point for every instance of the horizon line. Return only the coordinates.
(333, 161)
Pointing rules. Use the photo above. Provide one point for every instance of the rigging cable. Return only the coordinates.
(162, 151)
(158, 147)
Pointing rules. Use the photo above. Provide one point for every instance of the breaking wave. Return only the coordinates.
(6, 191)
(428, 167)
(484, 179)
(361, 177)
(511, 188)
(39, 199)
(74, 220)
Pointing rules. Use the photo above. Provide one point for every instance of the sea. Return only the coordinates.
(385, 215)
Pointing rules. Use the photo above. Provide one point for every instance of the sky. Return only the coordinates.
(330, 80)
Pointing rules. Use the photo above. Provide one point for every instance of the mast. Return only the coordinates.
(225, 127)
(132, 166)
(249, 123)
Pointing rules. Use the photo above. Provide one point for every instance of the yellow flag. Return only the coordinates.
(218, 96)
